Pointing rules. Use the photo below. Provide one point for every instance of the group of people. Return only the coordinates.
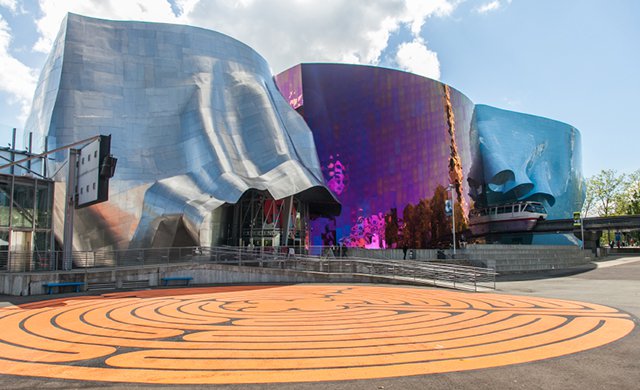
(621, 240)
(621, 244)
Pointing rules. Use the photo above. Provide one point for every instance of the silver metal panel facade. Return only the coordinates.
(195, 117)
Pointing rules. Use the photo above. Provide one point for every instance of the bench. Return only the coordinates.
(51, 285)
(165, 281)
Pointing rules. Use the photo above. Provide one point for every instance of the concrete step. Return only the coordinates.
(98, 286)
(135, 283)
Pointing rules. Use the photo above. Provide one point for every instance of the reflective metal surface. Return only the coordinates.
(527, 157)
(385, 140)
(390, 142)
(196, 121)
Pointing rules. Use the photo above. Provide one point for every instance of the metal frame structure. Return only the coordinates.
(259, 220)
(70, 202)
(26, 202)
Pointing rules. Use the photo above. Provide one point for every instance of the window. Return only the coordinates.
(23, 205)
(539, 209)
(43, 208)
(5, 203)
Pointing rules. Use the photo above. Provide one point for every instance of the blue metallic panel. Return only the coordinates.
(526, 157)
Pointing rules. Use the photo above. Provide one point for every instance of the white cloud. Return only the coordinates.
(16, 78)
(9, 4)
(488, 7)
(422, 9)
(415, 57)
(285, 32)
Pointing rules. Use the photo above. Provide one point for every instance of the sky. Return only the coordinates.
(576, 61)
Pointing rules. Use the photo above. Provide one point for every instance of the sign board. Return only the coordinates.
(448, 208)
(576, 219)
(95, 167)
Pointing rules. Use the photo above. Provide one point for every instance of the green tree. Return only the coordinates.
(589, 201)
(628, 201)
(633, 207)
(606, 187)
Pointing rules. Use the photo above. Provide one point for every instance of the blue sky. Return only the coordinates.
(576, 61)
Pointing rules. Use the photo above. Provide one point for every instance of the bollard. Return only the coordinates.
(454, 278)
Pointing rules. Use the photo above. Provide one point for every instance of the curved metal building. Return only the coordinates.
(386, 140)
(391, 142)
(214, 150)
(527, 157)
(196, 122)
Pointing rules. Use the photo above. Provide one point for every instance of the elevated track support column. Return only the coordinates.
(69, 209)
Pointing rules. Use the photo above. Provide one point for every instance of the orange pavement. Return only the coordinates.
(258, 334)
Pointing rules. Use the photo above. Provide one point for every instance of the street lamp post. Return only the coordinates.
(453, 219)
(582, 231)
(578, 220)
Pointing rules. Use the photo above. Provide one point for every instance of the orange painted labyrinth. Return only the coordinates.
(292, 333)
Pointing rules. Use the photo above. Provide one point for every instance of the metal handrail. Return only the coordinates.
(448, 275)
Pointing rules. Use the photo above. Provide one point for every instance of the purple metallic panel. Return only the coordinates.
(384, 142)
(292, 81)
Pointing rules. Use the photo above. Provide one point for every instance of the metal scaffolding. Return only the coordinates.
(259, 220)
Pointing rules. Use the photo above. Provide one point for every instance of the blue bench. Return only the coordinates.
(165, 281)
(51, 285)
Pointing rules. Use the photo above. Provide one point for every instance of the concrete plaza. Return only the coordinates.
(612, 365)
